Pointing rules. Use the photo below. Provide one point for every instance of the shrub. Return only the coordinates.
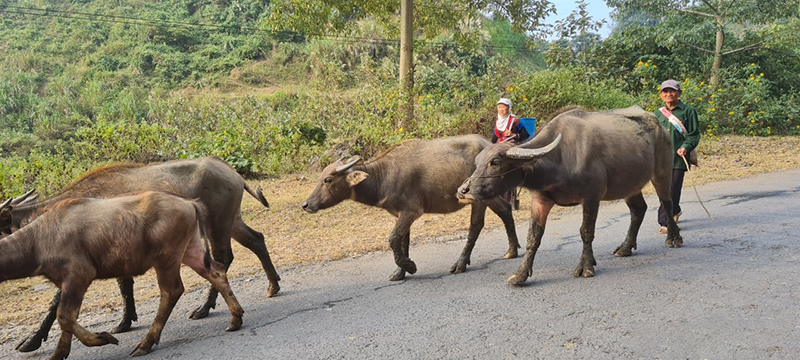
(740, 104)
(542, 93)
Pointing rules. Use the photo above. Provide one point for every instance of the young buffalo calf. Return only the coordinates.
(80, 240)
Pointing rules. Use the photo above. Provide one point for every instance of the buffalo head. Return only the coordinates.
(498, 169)
(334, 185)
(7, 223)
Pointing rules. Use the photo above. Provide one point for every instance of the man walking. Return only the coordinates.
(681, 120)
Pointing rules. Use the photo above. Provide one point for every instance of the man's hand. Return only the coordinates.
(681, 152)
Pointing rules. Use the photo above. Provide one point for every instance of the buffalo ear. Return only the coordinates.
(5, 219)
(356, 177)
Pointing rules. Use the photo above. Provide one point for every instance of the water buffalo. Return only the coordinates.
(79, 240)
(211, 180)
(407, 180)
(581, 157)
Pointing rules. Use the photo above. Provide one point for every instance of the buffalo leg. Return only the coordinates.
(254, 241)
(663, 186)
(34, 341)
(399, 241)
(400, 273)
(68, 310)
(476, 222)
(169, 281)
(218, 278)
(194, 257)
(223, 254)
(638, 208)
(129, 314)
(540, 208)
(503, 210)
(586, 265)
(674, 238)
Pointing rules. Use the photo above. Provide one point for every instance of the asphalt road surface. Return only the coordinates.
(731, 293)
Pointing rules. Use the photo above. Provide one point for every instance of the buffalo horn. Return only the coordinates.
(350, 162)
(29, 200)
(531, 154)
(22, 197)
(5, 203)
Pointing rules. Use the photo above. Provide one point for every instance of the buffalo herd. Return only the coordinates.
(118, 221)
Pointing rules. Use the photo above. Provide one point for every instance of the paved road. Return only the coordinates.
(731, 293)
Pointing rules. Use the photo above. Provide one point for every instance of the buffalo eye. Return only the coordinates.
(327, 180)
(495, 162)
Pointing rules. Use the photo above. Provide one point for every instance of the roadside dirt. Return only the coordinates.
(350, 229)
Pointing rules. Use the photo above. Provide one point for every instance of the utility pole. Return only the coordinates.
(406, 59)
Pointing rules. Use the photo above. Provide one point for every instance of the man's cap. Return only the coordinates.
(671, 84)
(504, 101)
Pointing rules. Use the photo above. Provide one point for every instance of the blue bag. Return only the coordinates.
(529, 124)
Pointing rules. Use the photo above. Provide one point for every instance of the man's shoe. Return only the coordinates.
(677, 216)
(662, 230)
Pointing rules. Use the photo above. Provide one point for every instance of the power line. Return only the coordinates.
(130, 20)
(112, 17)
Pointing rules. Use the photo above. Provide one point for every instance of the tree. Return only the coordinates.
(578, 23)
(317, 18)
(739, 18)
(576, 38)
(406, 59)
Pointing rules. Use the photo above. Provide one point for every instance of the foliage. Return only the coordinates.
(542, 93)
(719, 29)
(737, 11)
(513, 45)
(578, 23)
(272, 103)
(740, 104)
(320, 18)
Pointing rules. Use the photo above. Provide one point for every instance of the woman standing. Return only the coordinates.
(508, 127)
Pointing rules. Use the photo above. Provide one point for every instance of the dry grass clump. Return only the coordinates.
(350, 229)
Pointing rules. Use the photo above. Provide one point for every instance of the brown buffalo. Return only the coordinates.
(582, 157)
(79, 240)
(407, 180)
(215, 183)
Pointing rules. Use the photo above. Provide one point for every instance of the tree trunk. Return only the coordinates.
(406, 58)
(717, 64)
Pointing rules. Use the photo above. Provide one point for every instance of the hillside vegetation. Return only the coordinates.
(91, 82)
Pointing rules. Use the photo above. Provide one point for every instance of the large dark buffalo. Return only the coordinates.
(80, 240)
(211, 180)
(409, 179)
(582, 157)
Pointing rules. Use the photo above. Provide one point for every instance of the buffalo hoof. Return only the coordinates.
(677, 242)
(622, 251)
(139, 351)
(236, 324)
(585, 272)
(123, 326)
(516, 279)
(458, 268)
(511, 254)
(200, 313)
(273, 289)
(106, 338)
(398, 275)
(409, 266)
(30, 343)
